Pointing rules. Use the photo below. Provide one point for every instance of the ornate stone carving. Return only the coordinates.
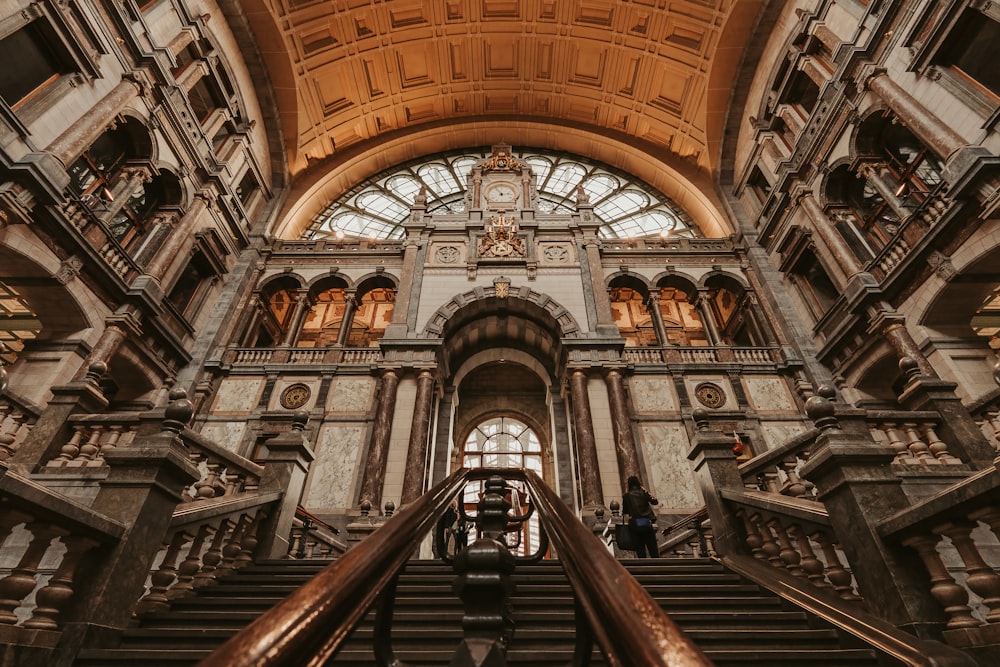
(942, 265)
(447, 254)
(558, 254)
(501, 239)
(710, 395)
(295, 396)
(68, 269)
(501, 160)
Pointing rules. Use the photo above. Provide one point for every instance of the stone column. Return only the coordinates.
(181, 234)
(420, 430)
(78, 137)
(621, 418)
(842, 253)
(350, 306)
(134, 177)
(893, 327)
(653, 305)
(378, 449)
(708, 319)
(302, 302)
(931, 130)
(116, 330)
(586, 445)
(875, 172)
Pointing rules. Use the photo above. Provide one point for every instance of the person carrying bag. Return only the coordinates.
(637, 506)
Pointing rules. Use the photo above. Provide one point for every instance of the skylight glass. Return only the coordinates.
(626, 207)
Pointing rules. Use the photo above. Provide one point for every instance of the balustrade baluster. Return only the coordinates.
(114, 437)
(754, 539)
(794, 486)
(90, 449)
(790, 558)
(52, 599)
(69, 451)
(811, 565)
(770, 547)
(838, 576)
(895, 441)
(206, 575)
(233, 548)
(191, 564)
(949, 594)
(22, 580)
(938, 448)
(6, 437)
(918, 448)
(248, 545)
(156, 599)
(982, 580)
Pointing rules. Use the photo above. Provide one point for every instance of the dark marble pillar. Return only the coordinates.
(876, 174)
(302, 304)
(118, 328)
(893, 328)
(181, 234)
(653, 306)
(621, 420)
(708, 319)
(378, 449)
(586, 444)
(350, 306)
(821, 224)
(78, 137)
(420, 429)
(931, 130)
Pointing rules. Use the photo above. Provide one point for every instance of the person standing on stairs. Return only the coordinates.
(637, 506)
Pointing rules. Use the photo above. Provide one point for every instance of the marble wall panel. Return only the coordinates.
(351, 394)
(226, 434)
(652, 393)
(776, 434)
(332, 474)
(237, 395)
(768, 394)
(665, 448)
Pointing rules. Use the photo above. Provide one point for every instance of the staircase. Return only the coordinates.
(736, 623)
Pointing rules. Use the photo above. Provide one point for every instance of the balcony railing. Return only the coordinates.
(702, 355)
(262, 356)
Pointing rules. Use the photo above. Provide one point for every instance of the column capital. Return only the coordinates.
(868, 73)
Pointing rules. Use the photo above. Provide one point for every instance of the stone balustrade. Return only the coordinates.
(303, 356)
(700, 355)
(913, 437)
(91, 438)
(16, 420)
(80, 216)
(44, 538)
(800, 541)
(223, 473)
(309, 541)
(198, 552)
(987, 416)
(777, 470)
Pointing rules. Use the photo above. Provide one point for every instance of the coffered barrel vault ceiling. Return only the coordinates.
(347, 73)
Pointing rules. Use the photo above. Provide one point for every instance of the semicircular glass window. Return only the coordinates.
(626, 206)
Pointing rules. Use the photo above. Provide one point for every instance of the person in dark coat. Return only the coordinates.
(637, 506)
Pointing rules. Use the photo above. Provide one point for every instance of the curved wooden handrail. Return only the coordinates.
(309, 626)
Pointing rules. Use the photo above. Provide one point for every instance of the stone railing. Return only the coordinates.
(253, 356)
(223, 473)
(912, 436)
(44, 537)
(796, 535)
(910, 233)
(955, 534)
(986, 412)
(92, 436)
(777, 470)
(700, 355)
(311, 539)
(96, 233)
(16, 420)
(204, 542)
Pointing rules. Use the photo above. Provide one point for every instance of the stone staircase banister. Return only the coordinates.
(195, 441)
(870, 629)
(188, 514)
(776, 468)
(803, 510)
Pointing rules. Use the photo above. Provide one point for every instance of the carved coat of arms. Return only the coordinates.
(501, 239)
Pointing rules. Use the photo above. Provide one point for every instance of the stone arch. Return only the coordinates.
(375, 280)
(279, 281)
(328, 281)
(628, 279)
(678, 280)
(522, 300)
(720, 278)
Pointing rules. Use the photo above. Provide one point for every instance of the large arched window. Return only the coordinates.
(505, 442)
(626, 207)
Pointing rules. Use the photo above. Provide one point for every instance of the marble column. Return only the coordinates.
(602, 302)
(893, 328)
(586, 444)
(842, 253)
(114, 334)
(875, 173)
(708, 319)
(931, 130)
(180, 235)
(350, 306)
(653, 306)
(302, 304)
(133, 178)
(621, 419)
(78, 137)
(378, 449)
(420, 430)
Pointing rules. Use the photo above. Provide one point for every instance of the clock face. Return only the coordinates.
(501, 194)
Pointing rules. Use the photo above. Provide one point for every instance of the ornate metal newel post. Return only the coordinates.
(484, 583)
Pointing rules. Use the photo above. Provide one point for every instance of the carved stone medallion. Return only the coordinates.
(295, 396)
(710, 395)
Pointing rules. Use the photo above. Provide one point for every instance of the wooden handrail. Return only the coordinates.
(309, 626)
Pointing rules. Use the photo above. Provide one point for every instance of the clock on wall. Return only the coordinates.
(295, 396)
(501, 193)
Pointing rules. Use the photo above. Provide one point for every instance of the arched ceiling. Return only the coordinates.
(657, 75)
